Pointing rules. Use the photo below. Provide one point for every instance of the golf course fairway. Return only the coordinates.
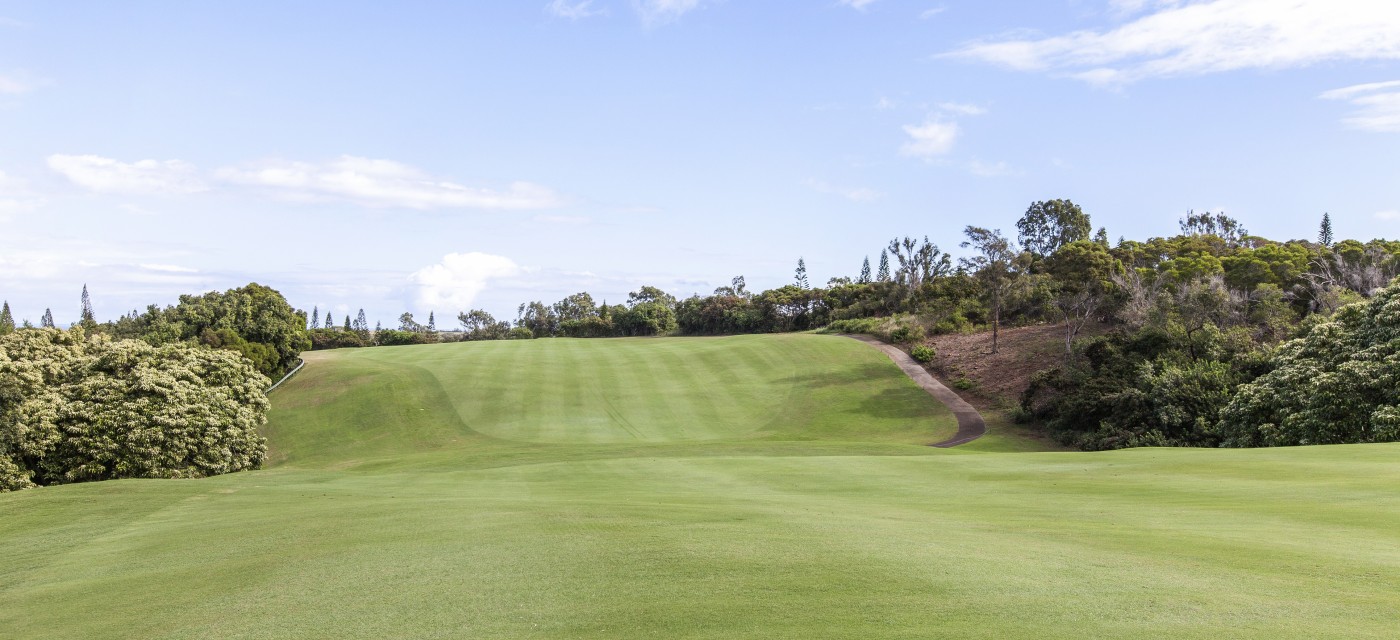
(745, 487)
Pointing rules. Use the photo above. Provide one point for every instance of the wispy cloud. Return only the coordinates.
(168, 268)
(380, 184)
(929, 13)
(12, 23)
(854, 194)
(143, 177)
(454, 283)
(858, 5)
(14, 85)
(962, 108)
(1189, 38)
(1377, 105)
(934, 137)
(16, 196)
(659, 12)
(1388, 215)
(573, 10)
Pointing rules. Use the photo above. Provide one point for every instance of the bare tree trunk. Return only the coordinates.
(996, 325)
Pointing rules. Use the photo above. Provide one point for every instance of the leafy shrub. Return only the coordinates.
(922, 353)
(395, 337)
(75, 408)
(964, 383)
(520, 333)
(907, 333)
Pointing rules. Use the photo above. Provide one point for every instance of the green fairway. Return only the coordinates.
(745, 487)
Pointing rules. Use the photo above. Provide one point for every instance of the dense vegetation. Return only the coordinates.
(77, 407)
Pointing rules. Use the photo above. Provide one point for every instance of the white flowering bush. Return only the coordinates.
(75, 408)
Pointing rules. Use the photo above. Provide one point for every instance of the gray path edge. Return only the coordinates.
(971, 426)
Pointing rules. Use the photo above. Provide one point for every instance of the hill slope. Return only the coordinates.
(413, 499)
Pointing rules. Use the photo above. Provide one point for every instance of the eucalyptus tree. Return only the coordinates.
(993, 267)
(1050, 224)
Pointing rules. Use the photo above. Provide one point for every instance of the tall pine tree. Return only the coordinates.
(432, 323)
(46, 320)
(330, 324)
(7, 321)
(1324, 231)
(347, 322)
(315, 317)
(801, 275)
(883, 275)
(864, 272)
(361, 324)
(86, 318)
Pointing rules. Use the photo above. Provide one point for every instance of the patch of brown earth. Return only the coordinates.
(996, 380)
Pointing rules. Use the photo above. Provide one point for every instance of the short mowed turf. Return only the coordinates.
(746, 487)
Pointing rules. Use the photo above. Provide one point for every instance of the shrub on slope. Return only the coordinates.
(1339, 383)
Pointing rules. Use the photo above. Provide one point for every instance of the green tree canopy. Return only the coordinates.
(1339, 383)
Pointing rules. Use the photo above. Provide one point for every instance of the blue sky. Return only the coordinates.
(440, 156)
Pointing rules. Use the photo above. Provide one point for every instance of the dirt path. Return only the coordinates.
(970, 423)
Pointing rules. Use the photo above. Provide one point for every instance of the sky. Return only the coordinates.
(442, 156)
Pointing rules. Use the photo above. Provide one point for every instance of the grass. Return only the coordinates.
(737, 487)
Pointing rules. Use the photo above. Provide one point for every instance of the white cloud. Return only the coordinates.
(929, 13)
(658, 12)
(1377, 105)
(932, 138)
(453, 284)
(858, 5)
(1186, 38)
(962, 108)
(854, 194)
(381, 183)
(573, 10)
(1388, 215)
(884, 104)
(143, 177)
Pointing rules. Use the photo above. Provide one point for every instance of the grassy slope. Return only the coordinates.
(391, 514)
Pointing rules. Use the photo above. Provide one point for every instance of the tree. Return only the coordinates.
(992, 267)
(432, 323)
(347, 323)
(1336, 384)
(85, 316)
(1101, 237)
(575, 307)
(801, 275)
(480, 325)
(1324, 232)
(1051, 224)
(361, 325)
(918, 262)
(407, 323)
(864, 272)
(7, 321)
(46, 320)
(1083, 273)
(315, 318)
(254, 313)
(330, 324)
(1214, 224)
